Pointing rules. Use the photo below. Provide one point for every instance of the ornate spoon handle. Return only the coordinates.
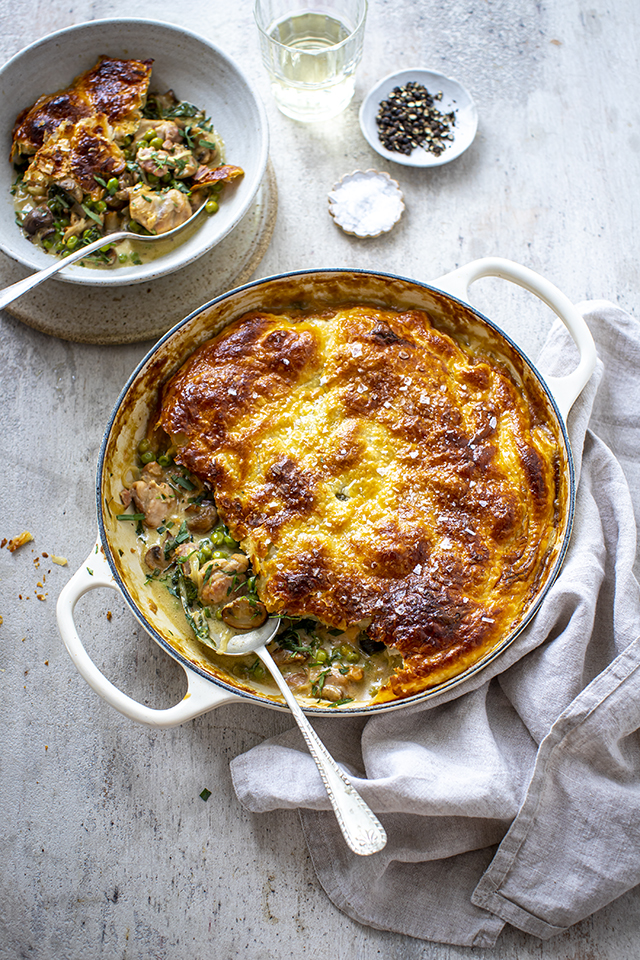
(360, 827)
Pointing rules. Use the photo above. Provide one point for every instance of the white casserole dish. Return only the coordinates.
(110, 560)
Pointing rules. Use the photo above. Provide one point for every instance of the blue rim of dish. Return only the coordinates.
(419, 698)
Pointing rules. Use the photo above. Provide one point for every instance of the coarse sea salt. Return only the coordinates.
(366, 203)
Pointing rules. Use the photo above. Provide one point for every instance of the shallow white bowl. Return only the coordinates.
(454, 97)
(195, 70)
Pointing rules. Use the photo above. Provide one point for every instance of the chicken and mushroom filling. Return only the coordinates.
(88, 181)
(192, 561)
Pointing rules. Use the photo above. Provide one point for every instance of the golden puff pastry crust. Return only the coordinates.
(116, 90)
(380, 471)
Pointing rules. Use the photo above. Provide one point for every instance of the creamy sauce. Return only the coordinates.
(196, 574)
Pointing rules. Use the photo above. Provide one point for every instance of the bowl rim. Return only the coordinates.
(418, 699)
(148, 271)
(422, 159)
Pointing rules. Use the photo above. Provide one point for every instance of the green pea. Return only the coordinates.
(122, 257)
(164, 460)
(112, 185)
(349, 653)
(258, 671)
(205, 552)
(100, 206)
(152, 179)
(321, 656)
(218, 555)
(148, 457)
(149, 135)
(156, 143)
(144, 445)
(71, 242)
(217, 536)
(217, 187)
(230, 542)
(211, 206)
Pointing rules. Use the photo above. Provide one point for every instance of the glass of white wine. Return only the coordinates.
(311, 52)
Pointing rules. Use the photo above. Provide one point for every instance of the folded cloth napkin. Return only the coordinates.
(515, 797)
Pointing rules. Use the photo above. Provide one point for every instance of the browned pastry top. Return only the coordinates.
(377, 471)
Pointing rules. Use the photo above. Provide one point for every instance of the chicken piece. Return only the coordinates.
(236, 563)
(154, 499)
(224, 578)
(165, 129)
(176, 160)
(158, 212)
(181, 162)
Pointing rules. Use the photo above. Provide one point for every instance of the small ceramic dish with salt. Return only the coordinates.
(366, 203)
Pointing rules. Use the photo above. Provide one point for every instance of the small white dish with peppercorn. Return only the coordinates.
(419, 118)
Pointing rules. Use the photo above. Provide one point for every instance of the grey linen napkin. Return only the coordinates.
(515, 797)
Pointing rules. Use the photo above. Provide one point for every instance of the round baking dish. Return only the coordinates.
(114, 563)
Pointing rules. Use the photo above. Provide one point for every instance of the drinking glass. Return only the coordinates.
(311, 52)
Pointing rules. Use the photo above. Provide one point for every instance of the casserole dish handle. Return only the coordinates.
(201, 695)
(564, 389)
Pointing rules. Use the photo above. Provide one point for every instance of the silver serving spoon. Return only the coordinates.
(360, 827)
(9, 294)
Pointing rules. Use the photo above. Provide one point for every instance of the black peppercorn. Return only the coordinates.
(408, 118)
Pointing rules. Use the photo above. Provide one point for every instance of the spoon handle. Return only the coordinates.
(360, 827)
(9, 294)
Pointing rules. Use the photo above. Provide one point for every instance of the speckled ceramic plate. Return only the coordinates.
(454, 97)
(128, 314)
(196, 70)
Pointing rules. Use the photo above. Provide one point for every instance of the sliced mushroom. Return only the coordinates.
(338, 685)
(154, 558)
(244, 613)
(72, 188)
(38, 219)
(202, 517)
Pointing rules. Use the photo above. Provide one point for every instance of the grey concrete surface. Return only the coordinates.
(106, 849)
